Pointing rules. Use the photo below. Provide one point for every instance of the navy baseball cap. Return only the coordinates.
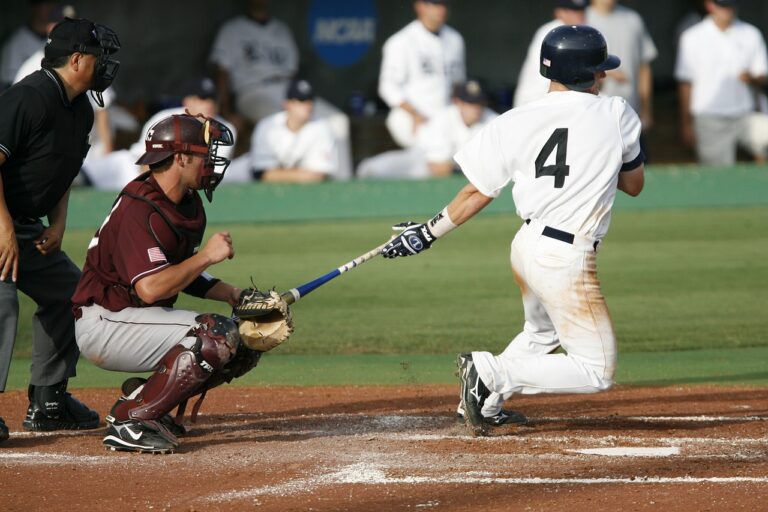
(72, 35)
(726, 3)
(471, 91)
(300, 90)
(202, 87)
(574, 5)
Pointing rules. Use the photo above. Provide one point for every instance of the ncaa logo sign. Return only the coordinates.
(342, 31)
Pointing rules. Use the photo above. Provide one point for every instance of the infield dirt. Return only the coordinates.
(400, 448)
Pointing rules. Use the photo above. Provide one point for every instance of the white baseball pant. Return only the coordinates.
(563, 306)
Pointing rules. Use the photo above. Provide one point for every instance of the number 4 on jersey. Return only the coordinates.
(559, 140)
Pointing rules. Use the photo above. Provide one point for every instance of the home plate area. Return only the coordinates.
(400, 448)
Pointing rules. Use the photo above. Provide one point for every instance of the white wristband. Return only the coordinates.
(441, 224)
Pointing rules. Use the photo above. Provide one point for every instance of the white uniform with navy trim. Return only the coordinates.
(437, 142)
(311, 148)
(563, 153)
(419, 67)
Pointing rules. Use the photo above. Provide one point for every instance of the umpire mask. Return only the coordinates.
(83, 36)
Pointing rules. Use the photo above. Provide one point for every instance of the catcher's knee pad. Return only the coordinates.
(244, 361)
(182, 371)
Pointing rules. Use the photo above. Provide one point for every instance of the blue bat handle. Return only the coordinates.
(308, 287)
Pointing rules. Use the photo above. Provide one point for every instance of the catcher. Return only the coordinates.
(148, 250)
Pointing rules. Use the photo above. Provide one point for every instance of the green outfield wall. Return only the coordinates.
(666, 187)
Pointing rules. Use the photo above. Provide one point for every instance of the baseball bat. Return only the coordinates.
(294, 294)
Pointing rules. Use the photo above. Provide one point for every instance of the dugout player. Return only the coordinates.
(44, 124)
(567, 153)
(147, 251)
(420, 65)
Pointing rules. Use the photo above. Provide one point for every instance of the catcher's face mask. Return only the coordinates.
(215, 135)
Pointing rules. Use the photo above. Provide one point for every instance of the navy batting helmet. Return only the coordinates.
(572, 54)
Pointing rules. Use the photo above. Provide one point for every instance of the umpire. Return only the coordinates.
(45, 120)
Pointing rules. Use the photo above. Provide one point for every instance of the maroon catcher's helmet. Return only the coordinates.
(186, 133)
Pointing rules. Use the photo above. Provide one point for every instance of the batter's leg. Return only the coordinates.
(564, 279)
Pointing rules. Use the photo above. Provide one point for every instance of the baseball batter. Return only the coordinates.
(567, 153)
(148, 250)
(419, 66)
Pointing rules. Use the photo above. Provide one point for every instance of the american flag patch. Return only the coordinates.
(156, 255)
(546, 62)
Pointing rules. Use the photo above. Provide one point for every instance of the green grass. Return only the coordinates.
(674, 280)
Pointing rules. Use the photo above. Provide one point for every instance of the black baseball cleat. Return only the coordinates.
(138, 436)
(3, 430)
(53, 408)
(473, 394)
(504, 417)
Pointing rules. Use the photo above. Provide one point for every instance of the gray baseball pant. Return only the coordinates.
(50, 282)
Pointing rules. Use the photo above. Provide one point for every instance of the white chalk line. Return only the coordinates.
(371, 474)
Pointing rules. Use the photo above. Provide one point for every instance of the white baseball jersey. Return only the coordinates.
(311, 148)
(255, 54)
(712, 60)
(446, 133)
(564, 153)
(530, 84)
(420, 67)
(628, 39)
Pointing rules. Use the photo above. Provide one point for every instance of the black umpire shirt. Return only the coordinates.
(45, 139)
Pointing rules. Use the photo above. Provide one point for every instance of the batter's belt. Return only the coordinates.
(563, 236)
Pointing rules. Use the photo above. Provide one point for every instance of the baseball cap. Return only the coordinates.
(72, 35)
(726, 3)
(575, 5)
(300, 90)
(444, 2)
(201, 86)
(471, 91)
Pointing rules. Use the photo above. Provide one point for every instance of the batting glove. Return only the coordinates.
(413, 239)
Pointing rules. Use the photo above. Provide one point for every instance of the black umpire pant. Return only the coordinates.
(50, 281)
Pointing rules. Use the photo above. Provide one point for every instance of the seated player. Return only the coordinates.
(293, 146)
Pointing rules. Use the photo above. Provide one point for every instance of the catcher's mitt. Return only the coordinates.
(264, 319)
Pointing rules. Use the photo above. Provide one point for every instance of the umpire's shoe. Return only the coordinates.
(138, 436)
(3, 431)
(473, 394)
(53, 408)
